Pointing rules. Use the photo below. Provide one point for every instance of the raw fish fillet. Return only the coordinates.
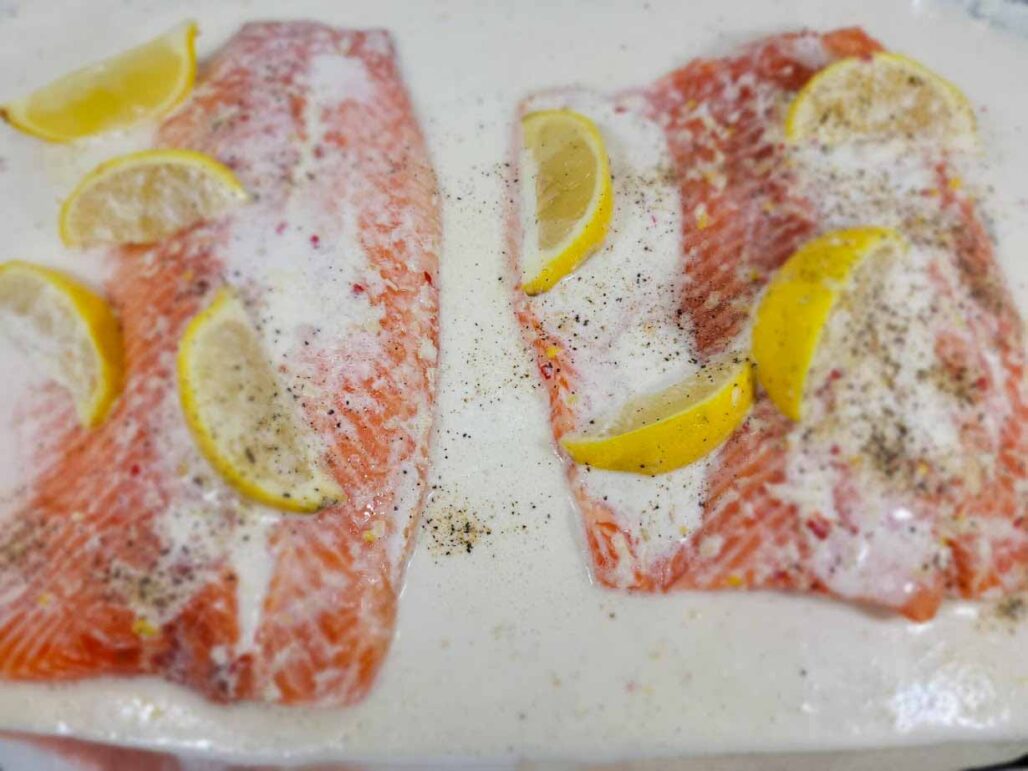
(125, 554)
(876, 498)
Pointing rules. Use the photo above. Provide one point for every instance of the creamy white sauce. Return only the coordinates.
(253, 569)
(888, 408)
(510, 650)
(617, 314)
(14, 450)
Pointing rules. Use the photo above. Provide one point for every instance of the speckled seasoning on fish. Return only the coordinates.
(905, 483)
(126, 554)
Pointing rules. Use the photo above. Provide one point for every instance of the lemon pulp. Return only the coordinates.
(660, 432)
(797, 304)
(145, 81)
(886, 95)
(240, 416)
(71, 329)
(143, 197)
(572, 193)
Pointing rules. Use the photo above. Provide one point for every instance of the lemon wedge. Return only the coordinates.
(143, 197)
(71, 329)
(140, 83)
(886, 95)
(664, 431)
(569, 188)
(797, 305)
(241, 418)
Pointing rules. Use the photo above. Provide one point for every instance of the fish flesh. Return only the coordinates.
(124, 553)
(906, 482)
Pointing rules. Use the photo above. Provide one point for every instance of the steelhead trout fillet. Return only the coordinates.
(125, 553)
(905, 481)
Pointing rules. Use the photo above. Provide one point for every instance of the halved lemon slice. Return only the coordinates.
(886, 95)
(143, 197)
(797, 305)
(569, 188)
(664, 431)
(143, 82)
(70, 329)
(241, 417)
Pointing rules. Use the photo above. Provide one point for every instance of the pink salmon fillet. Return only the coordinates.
(117, 557)
(902, 534)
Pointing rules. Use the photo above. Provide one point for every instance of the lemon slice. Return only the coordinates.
(70, 329)
(886, 95)
(797, 304)
(143, 82)
(568, 184)
(143, 197)
(241, 418)
(664, 431)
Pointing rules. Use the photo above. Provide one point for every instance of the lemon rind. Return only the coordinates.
(15, 112)
(652, 449)
(301, 502)
(956, 97)
(821, 295)
(144, 158)
(591, 230)
(102, 331)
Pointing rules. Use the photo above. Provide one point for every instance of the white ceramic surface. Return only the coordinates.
(509, 651)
